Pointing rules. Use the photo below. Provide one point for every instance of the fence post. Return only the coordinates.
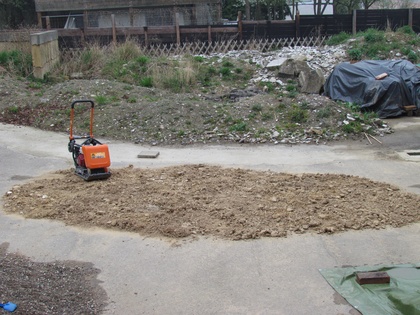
(47, 22)
(85, 26)
(114, 32)
(240, 24)
(131, 14)
(85, 19)
(410, 18)
(209, 33)
(297, 24)
(39, 15)
(178, 34)
(354, 22)
(146, 40)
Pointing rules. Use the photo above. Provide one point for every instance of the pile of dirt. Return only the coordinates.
(214, 201)
(65, 287)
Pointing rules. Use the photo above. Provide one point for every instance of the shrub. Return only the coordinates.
(142, 60)
(225, 71)
(146, 82)
(405, 50)
(338, 38)
(198, 58)
(406, 30)
(17, 61)
(290, 87)
(374, 36)
(412, 56)
(355, 54)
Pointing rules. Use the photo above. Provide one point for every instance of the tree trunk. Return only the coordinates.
(247, 10)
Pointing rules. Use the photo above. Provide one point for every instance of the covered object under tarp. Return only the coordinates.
(356, 83)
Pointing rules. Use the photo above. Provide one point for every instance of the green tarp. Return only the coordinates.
(399, 297)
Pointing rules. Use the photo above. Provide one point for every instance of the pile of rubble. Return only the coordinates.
(277, 67)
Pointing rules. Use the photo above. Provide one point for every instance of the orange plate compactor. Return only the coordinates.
(91, 158)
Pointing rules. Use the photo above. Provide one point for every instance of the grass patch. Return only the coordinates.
(240, 125)
(17, 62)
(256, 108)
(324, 113)
(102, 99)
(337, 39)
(297, 115)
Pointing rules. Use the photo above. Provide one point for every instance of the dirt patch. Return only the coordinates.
(158, 117)
(208, 200)
(59, 287)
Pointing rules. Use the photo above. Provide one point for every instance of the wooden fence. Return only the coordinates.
(303, 26)
(245, 34)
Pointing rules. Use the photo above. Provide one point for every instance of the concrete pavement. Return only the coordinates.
(211, 276)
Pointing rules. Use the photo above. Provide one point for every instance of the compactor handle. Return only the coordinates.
(92, 105)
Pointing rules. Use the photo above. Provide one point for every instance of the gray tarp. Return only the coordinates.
(356, 83)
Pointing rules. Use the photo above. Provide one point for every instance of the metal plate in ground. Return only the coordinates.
(410, 155)
(148, 154)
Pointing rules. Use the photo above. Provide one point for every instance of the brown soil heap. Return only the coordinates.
(208, 200)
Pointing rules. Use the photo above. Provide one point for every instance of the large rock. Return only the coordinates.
(292, 68)
(310, 80)
(276, 63)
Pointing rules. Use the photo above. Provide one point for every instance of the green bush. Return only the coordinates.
(412, 56)
(291, 87)
(355, 54)
(142, 60)
(225, 71)
(406, 30)
(16, 61)
(146, 82)
(372, 35)
(405, 50)
(338, 39)
(198, 58)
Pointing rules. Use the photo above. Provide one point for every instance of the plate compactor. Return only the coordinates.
(91, 158)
